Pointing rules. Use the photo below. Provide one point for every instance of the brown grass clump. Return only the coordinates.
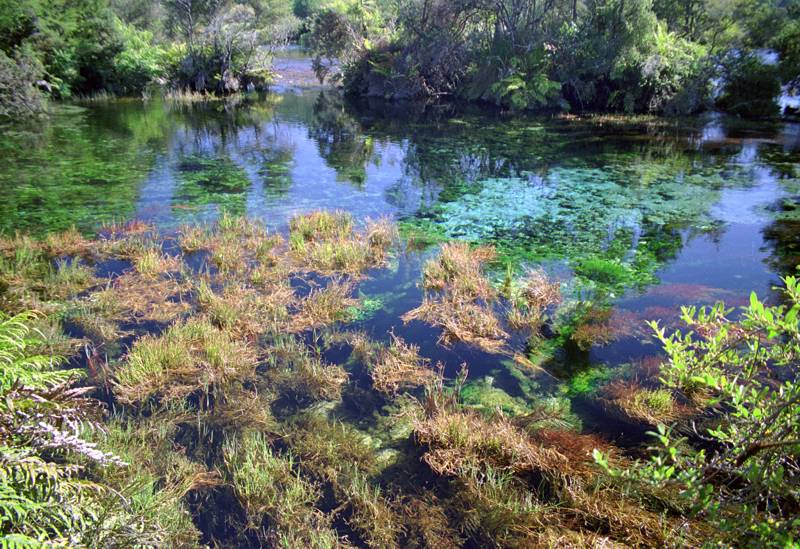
(145, 298)
(295, 372)
(530, 297)
(459, 442)
(68, 278)
(324, 306)
(630, 401)
(155, 482)
(399, 366)
(245, 311)
(326, 242)
(67, 243)
(319, 226)
(459, 269)
(604, 509)
(460, 299)
(228, 256)
(193, 238)
(190, 357)
(473, 323)
(151, 261)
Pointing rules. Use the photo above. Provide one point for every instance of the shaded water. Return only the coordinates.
(645, 215)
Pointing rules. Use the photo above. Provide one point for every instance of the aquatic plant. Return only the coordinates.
(189, 357)
(246, 311)
(324, 306)
(278, 503)
(155, 483)
(370, 514)
(211, 181)
(330, 450)
(632, 402)
(151, 261)
(482, 395)
(193, 238)
(529, 297)
(298, 374)
(144, 298)
(428, 524)
(69, 242)
(395, 367)
(459, 298)
(326, 242)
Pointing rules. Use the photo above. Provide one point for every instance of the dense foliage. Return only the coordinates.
(52, 490)
(65, 48)
(738, 465)
(631, 56)
(620, 55)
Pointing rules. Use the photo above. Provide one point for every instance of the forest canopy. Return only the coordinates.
(655, 56)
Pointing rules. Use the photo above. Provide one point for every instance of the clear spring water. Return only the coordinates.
(644, 214)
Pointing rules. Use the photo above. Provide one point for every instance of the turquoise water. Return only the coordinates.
(645, 215)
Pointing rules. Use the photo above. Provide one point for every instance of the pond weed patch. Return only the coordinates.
(279, 504)
(217, 346)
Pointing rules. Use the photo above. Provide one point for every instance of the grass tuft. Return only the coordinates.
(187, 358)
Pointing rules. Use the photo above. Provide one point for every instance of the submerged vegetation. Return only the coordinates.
(211, 399)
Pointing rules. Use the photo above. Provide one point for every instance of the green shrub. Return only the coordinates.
(743, 479)
(140, 62)
(751, 88)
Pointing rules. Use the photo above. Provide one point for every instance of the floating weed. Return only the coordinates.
(194, 356)
(632, 402)
(460, 299)
(399, 366)
(68, 278)
(529, 297)
(367, 308)
(459, 270)
(144, 298)
(193, 238)
(586, 382)
(66, 243)
(466, 321)
(151, 261)
(325, 306)
(320, 226)
(228, 255)
(606, 271)
(326, 242)
(298, 374)
(278, 502)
